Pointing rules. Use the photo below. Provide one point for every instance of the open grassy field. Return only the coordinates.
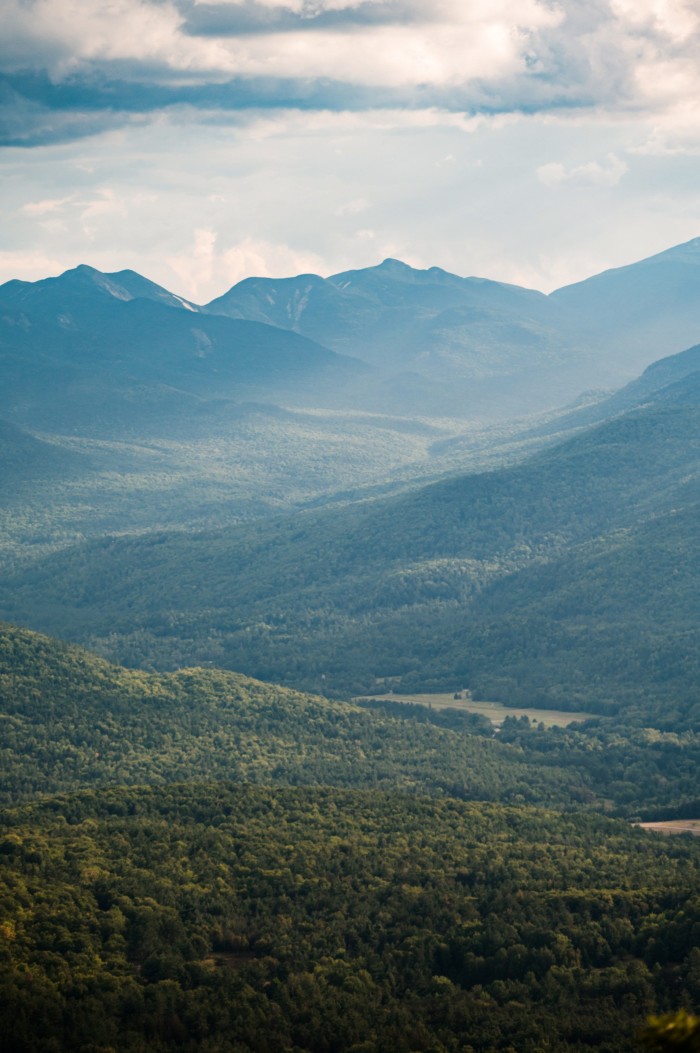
(674, 826)
(495, 711)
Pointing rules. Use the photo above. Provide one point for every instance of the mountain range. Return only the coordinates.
(129, 356)
(499, 338)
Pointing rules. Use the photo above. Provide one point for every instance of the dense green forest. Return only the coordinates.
(245, 919)
(70, 720)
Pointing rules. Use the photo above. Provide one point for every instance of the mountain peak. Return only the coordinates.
(391, 264)
(84, 282)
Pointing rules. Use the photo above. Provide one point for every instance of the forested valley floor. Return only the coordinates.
(394, 882)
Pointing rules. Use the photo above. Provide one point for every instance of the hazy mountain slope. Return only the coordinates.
(358, 311)
(76, 357)
(495, 345)
(505, 347)
(652, 304)
(391, 587)
(27, 461)
(248, 460)
(124, 351)
(674, 378)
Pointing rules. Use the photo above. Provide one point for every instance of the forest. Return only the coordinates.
(225, 918)
(199, 861)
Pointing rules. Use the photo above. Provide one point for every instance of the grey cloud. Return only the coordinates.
(27, 121)
(250, 17)
(35, 110)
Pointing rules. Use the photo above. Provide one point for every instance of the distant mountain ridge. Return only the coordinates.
(439, 345)
(598, 332)
(121, 285)
(95, 353)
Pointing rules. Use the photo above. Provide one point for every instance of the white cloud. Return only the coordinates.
(106, 204)
(195, 267)
(267, 260)
(591, 173)
(48, 205)
(29, 265)
(676, 133)
(204, 262)
(676, 19)
(64, 35)
(353, 207)
(309, 8)
(464, 55)
(486, 106)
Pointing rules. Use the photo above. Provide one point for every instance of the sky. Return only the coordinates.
(531, 141)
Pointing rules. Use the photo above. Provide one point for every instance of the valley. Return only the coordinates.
(252, 555)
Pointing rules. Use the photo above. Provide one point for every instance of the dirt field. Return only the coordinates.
(495, 711)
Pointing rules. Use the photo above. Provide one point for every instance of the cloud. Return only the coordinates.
(591, 173)
(204, 261)
(29, 264)
(73, 69)
(236, 19)
(352, 208)
(61, 37)
(48, 205)
(674, 134)
(203, 141)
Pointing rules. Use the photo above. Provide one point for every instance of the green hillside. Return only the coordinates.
(614, 621)
(70, 721)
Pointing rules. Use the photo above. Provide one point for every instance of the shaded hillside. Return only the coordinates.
(614, 622)
(396, 587)
(72, 721)
(27, 461)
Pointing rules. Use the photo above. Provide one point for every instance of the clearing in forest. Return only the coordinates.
(495, 711)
